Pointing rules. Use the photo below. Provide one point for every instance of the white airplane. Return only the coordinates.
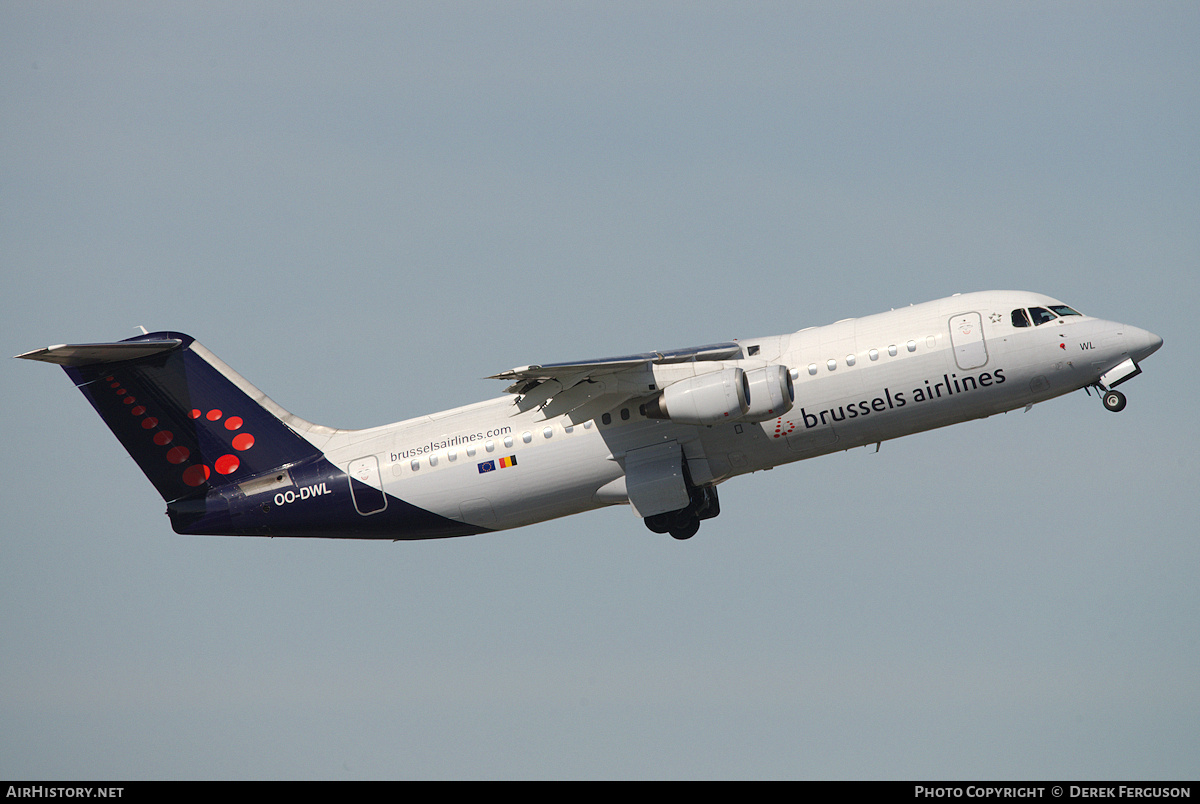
(658, 431)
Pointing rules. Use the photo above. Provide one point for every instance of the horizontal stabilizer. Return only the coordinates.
(90, 354)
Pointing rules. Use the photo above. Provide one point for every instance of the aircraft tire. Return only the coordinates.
(658, 523)
(686, 531)
(1114, 401)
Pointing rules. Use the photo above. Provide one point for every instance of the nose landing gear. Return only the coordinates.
(1114, 400)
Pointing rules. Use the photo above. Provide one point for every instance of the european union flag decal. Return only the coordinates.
(487, 466)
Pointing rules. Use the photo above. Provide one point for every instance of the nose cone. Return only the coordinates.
(1141, 343)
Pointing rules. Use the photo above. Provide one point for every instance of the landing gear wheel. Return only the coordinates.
(1114, 401)
(686, 531)
(659, 523)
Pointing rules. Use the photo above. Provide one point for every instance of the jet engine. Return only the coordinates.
(771, 393)
(722, 396)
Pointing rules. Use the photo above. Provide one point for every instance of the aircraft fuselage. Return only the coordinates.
(515, 460)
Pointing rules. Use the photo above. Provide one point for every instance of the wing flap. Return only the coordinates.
(573, 398)
(585, 389)
(545, 371)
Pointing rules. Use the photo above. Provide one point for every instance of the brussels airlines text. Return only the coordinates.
(950, 385)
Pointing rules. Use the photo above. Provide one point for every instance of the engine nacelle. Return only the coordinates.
(771, 393)
(722, 396)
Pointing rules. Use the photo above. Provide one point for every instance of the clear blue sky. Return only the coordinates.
(365, 208)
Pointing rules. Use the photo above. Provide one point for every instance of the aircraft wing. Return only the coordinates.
(584, 389)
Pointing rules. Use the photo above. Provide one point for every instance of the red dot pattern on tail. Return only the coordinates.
(193, 474)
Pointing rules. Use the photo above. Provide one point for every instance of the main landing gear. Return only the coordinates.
(684, 523)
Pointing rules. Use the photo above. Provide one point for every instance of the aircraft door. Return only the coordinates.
(366, 486)
(966, 335)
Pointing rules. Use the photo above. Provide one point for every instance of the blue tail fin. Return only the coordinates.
(191, 423)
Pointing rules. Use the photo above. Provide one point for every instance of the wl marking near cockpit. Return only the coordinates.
(658, 431)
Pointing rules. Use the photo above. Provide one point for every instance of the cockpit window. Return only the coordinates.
(1063, 309)
(1019, 318)
(1041, 315)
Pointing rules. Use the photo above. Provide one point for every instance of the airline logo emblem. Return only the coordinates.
(226, 464)
(194, 474)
